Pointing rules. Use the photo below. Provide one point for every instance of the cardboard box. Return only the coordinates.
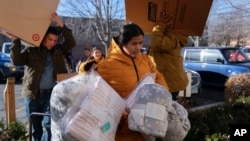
(63, 76)
(27, 19)
(189, 16)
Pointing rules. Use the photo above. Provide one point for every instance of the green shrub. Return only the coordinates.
(211, 123)
(15, 132)
(217, 137)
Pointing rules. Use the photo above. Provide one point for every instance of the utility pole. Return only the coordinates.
(196, 42)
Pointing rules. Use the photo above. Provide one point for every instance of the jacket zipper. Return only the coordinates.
(136, 71)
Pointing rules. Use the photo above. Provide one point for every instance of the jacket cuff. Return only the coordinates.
(160, 27)
(17, 41)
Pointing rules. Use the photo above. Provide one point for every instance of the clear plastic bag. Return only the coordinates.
(146, 79)
(101, 112)
(149, 113)
(94, 111)
(66, 95)
(178, 123)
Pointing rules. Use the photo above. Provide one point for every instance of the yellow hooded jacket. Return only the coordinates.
(165, 52)
(83, 64)
(122, 72)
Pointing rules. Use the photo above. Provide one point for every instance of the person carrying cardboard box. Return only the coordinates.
(41, 66)
(165, 46)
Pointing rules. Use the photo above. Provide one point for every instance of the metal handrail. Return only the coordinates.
(30, 121)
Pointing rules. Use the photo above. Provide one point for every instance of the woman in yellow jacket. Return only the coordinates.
(123, 67)
(165, 52)
(93, 60)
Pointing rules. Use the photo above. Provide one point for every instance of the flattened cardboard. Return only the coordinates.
(63, 76)
(189, 16)
(27, 19)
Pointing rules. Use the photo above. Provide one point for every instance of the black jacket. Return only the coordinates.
(34, 58)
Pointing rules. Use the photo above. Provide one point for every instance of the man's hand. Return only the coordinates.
(165, 19)
(11, 36)
(55, 18)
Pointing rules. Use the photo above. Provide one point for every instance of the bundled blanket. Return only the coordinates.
(178, 123)
(149, 113)
(153, 113)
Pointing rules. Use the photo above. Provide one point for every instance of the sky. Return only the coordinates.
(219, 7)
(62, 3)
(226, 7)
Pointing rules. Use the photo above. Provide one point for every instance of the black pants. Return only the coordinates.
(158, 139)
(175, 95)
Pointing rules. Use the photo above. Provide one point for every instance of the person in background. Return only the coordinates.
(165, 52)
(96, 55)
(42, 63)
(86, 55)
(70, 63)
(122, 69)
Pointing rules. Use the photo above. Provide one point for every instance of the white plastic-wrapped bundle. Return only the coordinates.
(178, 123)
(62, 99)
(93, 114)
(99, 114)
(149, 113)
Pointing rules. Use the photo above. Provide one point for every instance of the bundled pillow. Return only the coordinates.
(62, 99)
(93, 113)
(99, 115)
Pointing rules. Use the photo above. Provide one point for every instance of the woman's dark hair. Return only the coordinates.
(127, 32)
(96, 48)
(87, 48)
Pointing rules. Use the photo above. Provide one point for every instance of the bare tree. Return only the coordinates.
(80, 28)
(229, 27)
(105, 17)
(225, 25)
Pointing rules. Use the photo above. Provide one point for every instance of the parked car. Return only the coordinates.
(215, 64)
(6, 48)
(7, 69)
(195, 78)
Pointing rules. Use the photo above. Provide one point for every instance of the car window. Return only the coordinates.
(235, 55)
(211, 56)
(192, 55)
(247, 51)
(7, 48)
